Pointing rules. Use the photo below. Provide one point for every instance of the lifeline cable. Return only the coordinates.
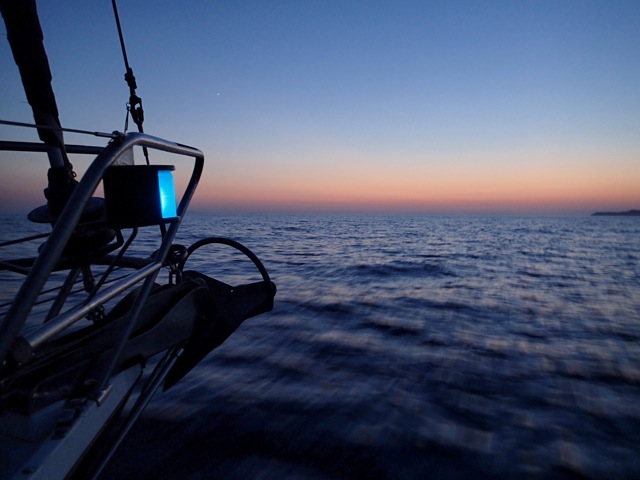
(70, 130)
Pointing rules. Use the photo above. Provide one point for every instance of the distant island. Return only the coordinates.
(628, 213)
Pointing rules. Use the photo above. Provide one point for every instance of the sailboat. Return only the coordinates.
(101, 322)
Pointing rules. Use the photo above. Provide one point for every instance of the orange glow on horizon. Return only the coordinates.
(444, 197)
(354, 186)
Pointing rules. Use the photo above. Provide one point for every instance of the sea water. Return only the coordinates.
(410, 347)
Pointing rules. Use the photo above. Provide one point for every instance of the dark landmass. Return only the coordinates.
(628, 213)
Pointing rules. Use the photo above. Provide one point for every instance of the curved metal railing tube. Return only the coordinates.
(69, 218)
(59, 323)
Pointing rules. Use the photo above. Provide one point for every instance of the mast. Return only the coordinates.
(26, 40)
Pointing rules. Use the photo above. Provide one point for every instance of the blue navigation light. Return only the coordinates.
(167, 194)
(140, 195)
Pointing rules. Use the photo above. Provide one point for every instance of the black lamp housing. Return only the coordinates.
(140, 195)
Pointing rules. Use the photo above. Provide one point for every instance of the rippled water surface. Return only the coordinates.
(412, 347)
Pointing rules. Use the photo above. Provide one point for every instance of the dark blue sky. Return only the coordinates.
(447, 106)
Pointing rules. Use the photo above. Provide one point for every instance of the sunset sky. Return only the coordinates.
(393, 106)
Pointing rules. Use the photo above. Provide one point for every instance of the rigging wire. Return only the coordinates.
(134, 107)
(70, 130)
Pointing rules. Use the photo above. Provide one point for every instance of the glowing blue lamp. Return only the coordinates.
(167, 194)
(140, 195)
